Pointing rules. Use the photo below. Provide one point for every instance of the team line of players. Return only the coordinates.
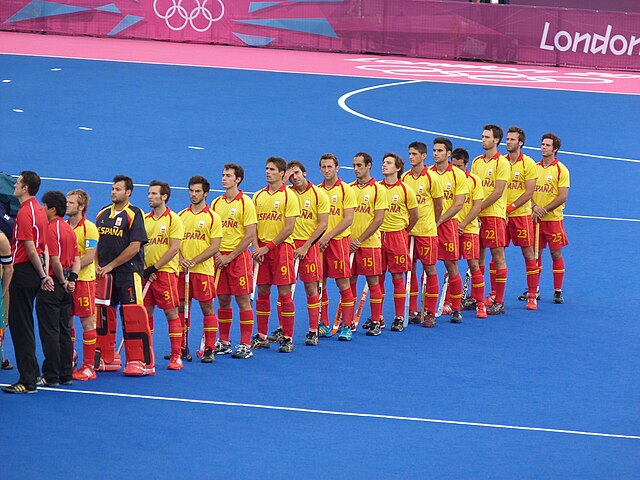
(313, 232)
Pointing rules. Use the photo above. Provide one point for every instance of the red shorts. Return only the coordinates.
(84, 299)
(552, 232)
(310, 267)
(163, 291)
(520, 231)
(395, 252)
(425, 249)
(469, 246)
(277, 266)
(335, 259)
(201, 287)
(237, 278)
(493, 232)
(448, 240)
(367, 262)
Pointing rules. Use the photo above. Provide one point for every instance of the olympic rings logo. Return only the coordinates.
(181, 15)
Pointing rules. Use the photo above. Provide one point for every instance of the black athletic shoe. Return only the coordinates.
(20, 388)
(312, 339)
(276, 336)
(414, 318)
(367, 324)
(374, 329)
(67, 382)
(429, 320)
(208, 356)
(525, 296)
(286, 346)
(42, 382)
(496, 309)
(223, 348)
(456, 317)
(557, 297)
(469, 303)
(242, 351)
(397, 325)
(259, 342)
(6, 365)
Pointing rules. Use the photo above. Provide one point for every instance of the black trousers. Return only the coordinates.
(24, 286)
(54, 314)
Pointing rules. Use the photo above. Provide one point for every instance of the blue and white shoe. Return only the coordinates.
(324, 330)
(345, 334)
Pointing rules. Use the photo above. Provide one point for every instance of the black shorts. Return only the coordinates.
(127, 288)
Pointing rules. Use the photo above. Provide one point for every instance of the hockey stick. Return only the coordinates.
(422, 292)
(144, 294)
(200, 351)
(255, 283)
(407, 287)
(187, 318)
(296, 265)
(443, 295)
(536, 246)
(465, 285)
(358, 314)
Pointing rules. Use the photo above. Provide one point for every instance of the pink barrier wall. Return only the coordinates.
(422, 28)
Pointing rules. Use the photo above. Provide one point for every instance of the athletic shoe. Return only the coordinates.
(223, 348)
(496, 309)
(20, 388)
(6, 365)
(481, 310)
(414, 318)
(68, 382)
(532, 303)
(276, 336)
(259, 342)
(557, 297)
(469, 303)
(175, 363)
(286, 346)
(108, 367)
(312, 339)
(397, 325)
(324, 330)
(367, 324)
(374, 330)
(491, 299)
(242, 351)
(447, 309)
(136, 368)
(185, 354)
(429, 320)
(208, 356)
(42, 382)
(456, 317)
(85, 373)
(345, 334)
(525, 296)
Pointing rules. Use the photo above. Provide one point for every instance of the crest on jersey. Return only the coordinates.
(490, 172)
(118, 221)
(549, 178)
(334, 198)
(366, 198)
(395, 199)
(276, 205)
(232, 212)
(163, 229)
(307, 204)
(448, 187)
(420, 189)
(201, 224)
(516, 175)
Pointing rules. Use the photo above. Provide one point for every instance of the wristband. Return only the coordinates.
(511, 208)
(149, 271)
(271, 245)
(72, 277)
(45, 276)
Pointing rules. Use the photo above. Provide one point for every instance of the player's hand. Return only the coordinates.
(102, 271)
(47, 284)
(287, 175)
(300, 253)
(222, 261)
(323, 243)
(259, 253)
(355, 245)
(460, 230)
(185, 263)
(538, 212)
(70, 287)
(152, 277)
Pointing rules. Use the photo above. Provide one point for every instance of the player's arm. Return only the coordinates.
(370, 230)
(127, 254)
(249, 237)
(212, 250)
(527, 195)
(342, 225)
(452, 211)
(289, 225)
(495, 195)
(323, 221)
(437, 207)
(561, 198)
(6, 261)
(476, 206)
(70, 283)
(413, 218)
(172, 251)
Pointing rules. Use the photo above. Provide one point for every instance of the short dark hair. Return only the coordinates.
(128, 183)
(367, 158)
(398, 159)
(521, 136)
(200, 180)
(165, 189)
(460, 154)
(279, 162)
(554, 138)
(419, 146)
(328, 156)
(31, 180)
(57, 200)
(444, 141)
(237, 170)
(495, 130)
(296, 163)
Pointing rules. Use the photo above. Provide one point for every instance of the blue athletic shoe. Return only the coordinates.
(324, 330)
(345, 334)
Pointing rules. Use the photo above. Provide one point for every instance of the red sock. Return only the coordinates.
(492, 277)
(413, 296)
(431, 295)
(354, 289)
(532, 276)
(175, 336)
(346, 304)
(381, 285)
(455, 289)
(313, 307)
(399, 296)
(263, 307)
(375, 302)
(482, 269)
(477, 286)
(246, 326)
(324, 311)
(89, 347)
(286, 315)
(501, 284)
(151, 323)
(210, 330)
(183, 327)
(225, 319)
(558, 273)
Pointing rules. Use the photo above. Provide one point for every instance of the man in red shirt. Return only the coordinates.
(54, 307)
(29, 276)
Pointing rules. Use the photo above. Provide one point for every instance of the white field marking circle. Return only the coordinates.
(337, 413)
(176, 9)
(342, 102)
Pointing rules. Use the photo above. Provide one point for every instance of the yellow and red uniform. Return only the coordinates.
(520, 225)
(453, 182)
(84, 295)
(369, 198)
